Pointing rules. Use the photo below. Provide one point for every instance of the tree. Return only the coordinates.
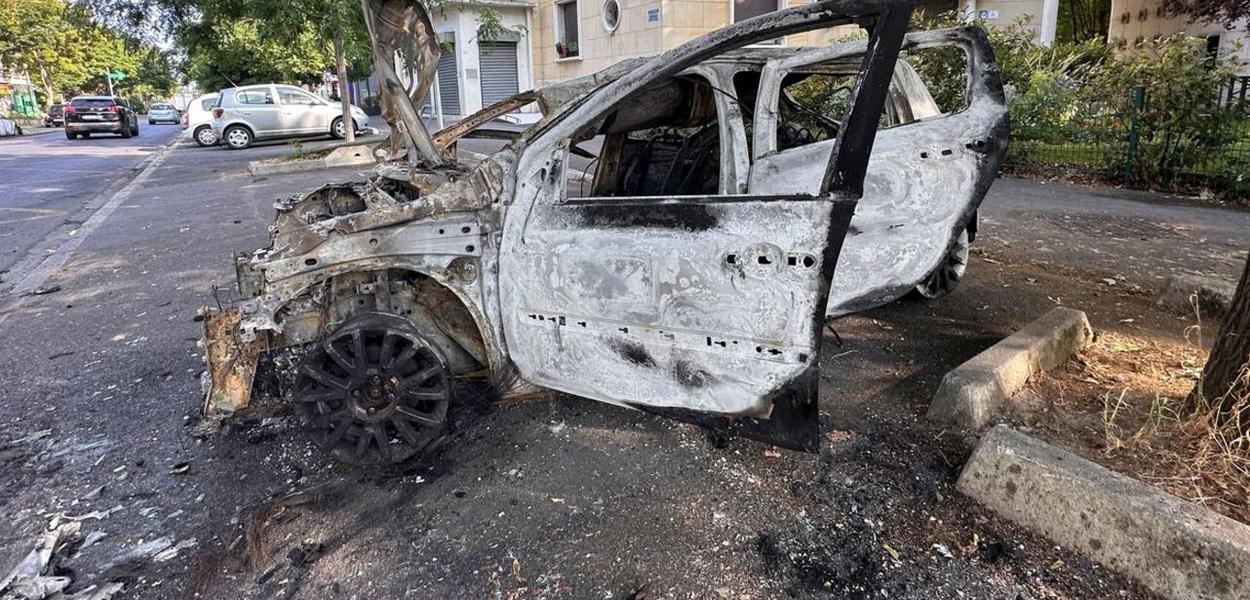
(290, 37)
(66, 50)
(1225, 12)
(228, 52)
(1225, 384)
(39, 37)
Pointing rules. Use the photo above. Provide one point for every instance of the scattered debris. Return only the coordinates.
(30, 579)
(943, 550)
(41, 290)
(36, 436)
(172, 552)
(180, 468)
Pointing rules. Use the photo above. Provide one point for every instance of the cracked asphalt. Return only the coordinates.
(548, 497)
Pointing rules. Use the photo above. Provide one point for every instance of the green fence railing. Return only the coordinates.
(1211, 154)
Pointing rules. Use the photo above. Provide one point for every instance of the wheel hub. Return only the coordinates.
(374, 391)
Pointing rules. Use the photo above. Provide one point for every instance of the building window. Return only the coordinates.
(745, 9)
(566, 30)
(611, 15)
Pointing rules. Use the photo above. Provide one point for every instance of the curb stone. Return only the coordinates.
(1213, 295)
(1178, 549)
(975, 392)
(340, 156)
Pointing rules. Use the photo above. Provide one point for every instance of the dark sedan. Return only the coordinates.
(86, 115)
(55, 116)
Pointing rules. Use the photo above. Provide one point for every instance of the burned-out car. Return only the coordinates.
(689, 273)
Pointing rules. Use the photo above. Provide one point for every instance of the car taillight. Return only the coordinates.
(69, 109)
(217, 112)
(113, 108)
(186, 120)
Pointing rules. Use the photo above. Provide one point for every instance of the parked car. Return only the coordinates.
(162, 112)
(198, 119)
(86, 115)
(55, 117)
(734, 186)
(9, 127)
(259, 112)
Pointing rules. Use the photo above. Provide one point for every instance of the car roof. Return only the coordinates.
(92, 98)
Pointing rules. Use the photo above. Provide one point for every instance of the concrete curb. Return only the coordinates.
(973, 393)
(340, 156)
(1213, 295)
(1176, 548)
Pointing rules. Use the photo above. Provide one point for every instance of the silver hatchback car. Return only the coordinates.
(162, 112)
(257, 112)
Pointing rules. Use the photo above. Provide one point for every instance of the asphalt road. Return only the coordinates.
(554, 497)
(47, 179)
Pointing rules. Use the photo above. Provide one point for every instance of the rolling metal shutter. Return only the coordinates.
(448, 82)
(499, 71)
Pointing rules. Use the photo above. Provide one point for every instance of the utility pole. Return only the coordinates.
(108, 76)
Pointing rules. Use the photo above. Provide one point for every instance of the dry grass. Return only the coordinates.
(1123, 403)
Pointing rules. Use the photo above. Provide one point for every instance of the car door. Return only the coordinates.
(257, 106)
(299, 112)
(707, 305)
(927, 175)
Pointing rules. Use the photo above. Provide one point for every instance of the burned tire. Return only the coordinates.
(950, 269)
(375, 391)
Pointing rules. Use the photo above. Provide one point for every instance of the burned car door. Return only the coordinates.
(660, 292)
(929, 170)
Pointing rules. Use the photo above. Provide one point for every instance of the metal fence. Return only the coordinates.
(1121, 148)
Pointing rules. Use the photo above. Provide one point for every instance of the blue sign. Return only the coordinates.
(653, 15)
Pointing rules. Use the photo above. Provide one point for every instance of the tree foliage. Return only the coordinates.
(1224, 12)
(67, 51)
(232, 42)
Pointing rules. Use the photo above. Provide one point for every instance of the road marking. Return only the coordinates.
(54, 261)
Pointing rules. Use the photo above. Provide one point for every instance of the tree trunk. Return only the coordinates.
(1225, 384)
(340, 61)
(46, 80)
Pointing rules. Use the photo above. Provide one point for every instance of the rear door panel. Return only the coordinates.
(924, 183)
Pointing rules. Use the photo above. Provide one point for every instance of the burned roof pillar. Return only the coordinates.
(403, 27)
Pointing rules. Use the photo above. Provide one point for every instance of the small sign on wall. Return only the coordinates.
(653, 15)
(988, 15)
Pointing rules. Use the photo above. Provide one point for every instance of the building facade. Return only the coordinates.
(546, 41)
(17, 95)
(1138, 20)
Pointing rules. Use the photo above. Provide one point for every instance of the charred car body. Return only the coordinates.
(719, 230)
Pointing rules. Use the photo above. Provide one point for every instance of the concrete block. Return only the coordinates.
(339, 156)
(1213, 295)
(1177, 549)
(974, 392)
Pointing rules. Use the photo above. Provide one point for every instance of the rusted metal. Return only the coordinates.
(231, 362)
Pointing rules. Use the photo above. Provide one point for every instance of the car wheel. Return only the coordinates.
(950, 269)
(399, 390)
(126, 132)
(237, 137)
(69, 135)
(205, 137)
(337, 130)
(136, 130)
